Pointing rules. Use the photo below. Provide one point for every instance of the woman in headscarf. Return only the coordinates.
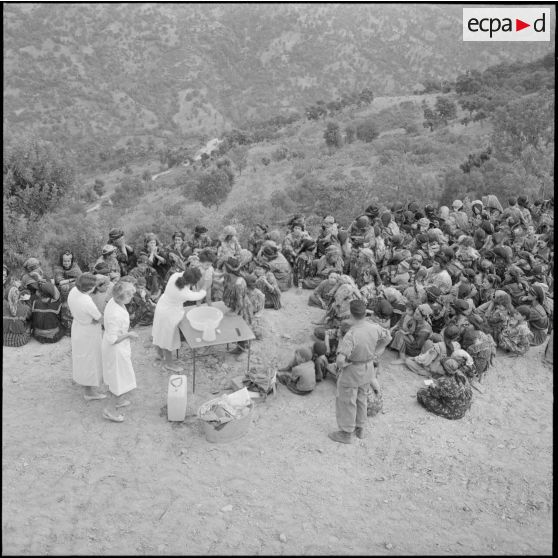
(366, 270)
(329, 234)
(46, 315)
(516, 337)
(429, 361)
(257, 237)
(450, 396)
(339, 308)
(66, 273)
(87, 369)
(109, 257)
(278, 265)
(496, 314)
(229, 247)
(482, 349)
(170, 311)
(515, 285)
(125, 255)
(411, 345)
(16, 328)
(33, 276)
(293, 241)
(466, 254)
(536, 315)
(267, 284)
(118, 372)
(179, 245)
(304, 262)
(438, 276)
(200, 239)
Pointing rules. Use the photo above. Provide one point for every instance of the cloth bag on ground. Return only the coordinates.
(263, 380)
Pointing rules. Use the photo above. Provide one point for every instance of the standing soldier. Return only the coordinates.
(361, 346)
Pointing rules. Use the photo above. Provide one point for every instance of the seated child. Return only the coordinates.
(141, 308)
(407, 323)
(300, 375)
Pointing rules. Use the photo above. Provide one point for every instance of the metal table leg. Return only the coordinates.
(248, 368)
(194, 377)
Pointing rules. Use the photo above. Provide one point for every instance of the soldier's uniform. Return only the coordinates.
(359, 347)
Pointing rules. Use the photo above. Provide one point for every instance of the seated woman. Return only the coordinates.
(293, 241)
(365, 268)
(482, 349)
(177, 264)
(257, 237)
(411, 345)
(303, 267)
(46, 315)
(267, 283)
(178, 244)
(450, 396)
(323, 293)
(66, 273)
(156, 255)
(339, 309)
(141, 308)
(416, 292)
(152, 279)
(200, 239)
(299, 375)
(496, 314)
(515, 284)
(15, 320)
(109, 258)
(332, 260)
(537, 316)
(278, 265)
(228, 246)
(33, 276)
(429, 361)
(516, 337)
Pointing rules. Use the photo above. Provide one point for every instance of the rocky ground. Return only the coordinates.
(74, 483)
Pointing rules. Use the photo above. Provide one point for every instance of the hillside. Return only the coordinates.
(94, 77)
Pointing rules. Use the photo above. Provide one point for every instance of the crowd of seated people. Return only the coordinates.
(449, 283)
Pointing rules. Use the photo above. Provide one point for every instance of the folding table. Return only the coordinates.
(231, 330)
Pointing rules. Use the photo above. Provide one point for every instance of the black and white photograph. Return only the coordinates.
(278, 278)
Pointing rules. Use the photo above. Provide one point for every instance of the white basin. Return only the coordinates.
(206, 319)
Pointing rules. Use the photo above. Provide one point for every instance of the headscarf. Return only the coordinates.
(425, 311)
(115, 234)
(47, 289)
(31, 264)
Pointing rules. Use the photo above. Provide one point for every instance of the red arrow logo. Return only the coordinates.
(519, 25)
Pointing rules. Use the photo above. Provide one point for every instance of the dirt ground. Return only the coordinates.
(74, 483)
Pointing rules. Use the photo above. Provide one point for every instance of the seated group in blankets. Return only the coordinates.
(450, 285)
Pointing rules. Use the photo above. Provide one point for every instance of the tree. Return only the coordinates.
(332, 135)
(36, 176)
(239, 156)
(366, 96)
(367, 131)
(99, 187)
(445, 108)
(213, 188)
(468, 83)
(431, 119)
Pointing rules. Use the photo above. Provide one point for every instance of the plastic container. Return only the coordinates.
(229, 431)
(177, 397)
(206, 319)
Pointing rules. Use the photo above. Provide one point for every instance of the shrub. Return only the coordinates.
(280, 154)
(367, 131)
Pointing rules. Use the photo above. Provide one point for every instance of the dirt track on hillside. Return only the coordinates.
(74, 483)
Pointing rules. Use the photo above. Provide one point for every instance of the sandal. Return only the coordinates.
(94, 397)
(113, 418)
(124, 403)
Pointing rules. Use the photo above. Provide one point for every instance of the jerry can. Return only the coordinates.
(176, 398)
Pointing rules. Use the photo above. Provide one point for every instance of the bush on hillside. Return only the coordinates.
(367, 131)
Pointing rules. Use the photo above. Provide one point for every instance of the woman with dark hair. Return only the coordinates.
(257, 237)
(118, 372)
(170, 311)
(156, 255)
(450, 396)
(267, 283)
(179, 245)
(496, 314)
(15, 323)
(87, 369)
(438, 276)
(125, 255)
(200, 239)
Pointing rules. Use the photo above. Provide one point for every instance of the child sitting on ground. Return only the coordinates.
(321, 364)
(300, 375)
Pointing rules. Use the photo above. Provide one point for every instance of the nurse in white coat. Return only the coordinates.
(86, 337)
(118, 372)
(170, 311)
